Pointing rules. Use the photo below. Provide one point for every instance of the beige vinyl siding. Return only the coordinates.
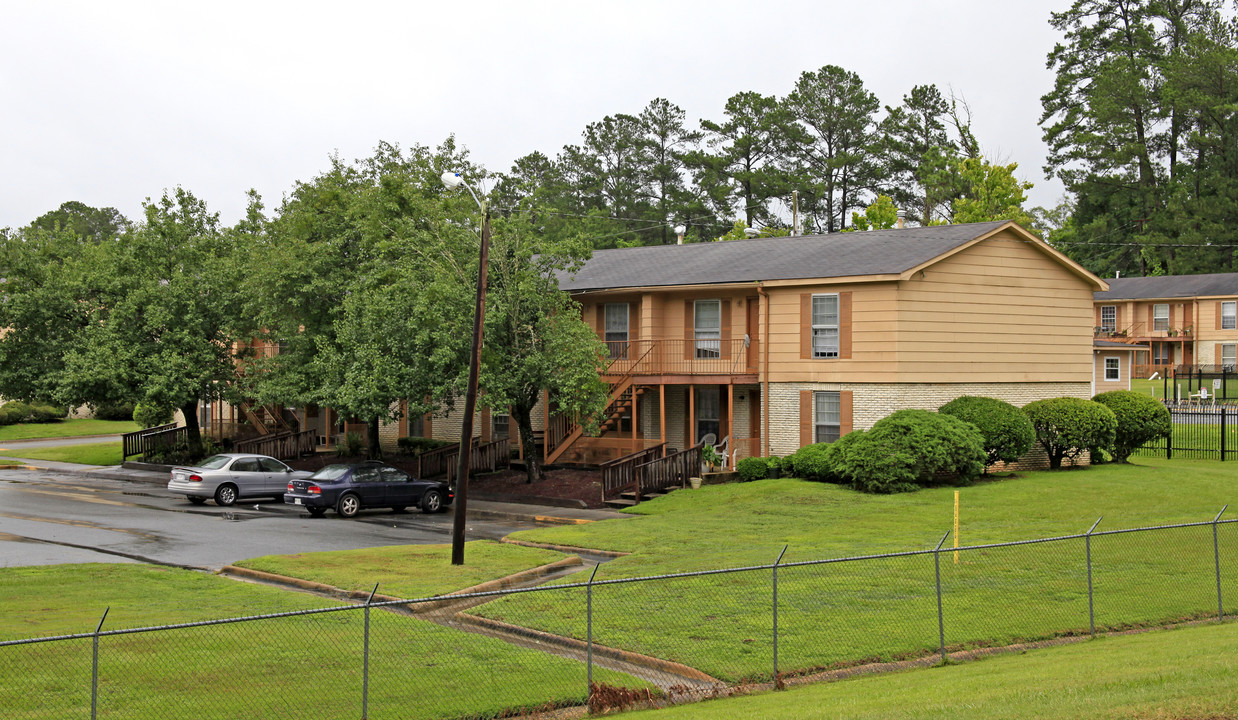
(1000, 311)
(873, 335)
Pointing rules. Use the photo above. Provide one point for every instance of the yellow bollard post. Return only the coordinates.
(956, 527)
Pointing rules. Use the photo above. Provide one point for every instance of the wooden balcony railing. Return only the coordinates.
(432, 463)
(678, 357)
(285, 445)
(484, 458)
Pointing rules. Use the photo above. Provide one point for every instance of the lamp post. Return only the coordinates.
(454, 180)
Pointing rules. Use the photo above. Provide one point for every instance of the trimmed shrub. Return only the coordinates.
(46, 413)
(752, 468)
(1006, 431)
(148, 416)
(1141, 419)
(15, 412)
(1066, 426)
(352, 446)
(418, 445)
(811, 462)
(114, 411)
(911, 449)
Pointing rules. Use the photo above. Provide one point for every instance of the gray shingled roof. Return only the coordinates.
(1170, 286)
(1111, 344)
(880, 252)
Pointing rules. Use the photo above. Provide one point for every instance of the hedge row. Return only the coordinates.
(15, 412)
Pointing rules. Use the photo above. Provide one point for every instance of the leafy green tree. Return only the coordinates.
(83, 221)
(535, 339)
(741, 231)
(830, 142)
(741, 164)
(919, 153)
(881, 214)
(667, 142)
(992, 193)
(162, 329)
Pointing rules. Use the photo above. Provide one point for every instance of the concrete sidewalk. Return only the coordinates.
(481, 509)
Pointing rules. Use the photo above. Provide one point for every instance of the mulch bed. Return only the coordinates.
(568, 487)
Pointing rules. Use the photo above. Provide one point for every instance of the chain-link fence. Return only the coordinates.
(504, 652)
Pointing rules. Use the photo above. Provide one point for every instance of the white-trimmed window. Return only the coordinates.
(825, 326)
(826, 416)
(500, 425)
(1108, 318)
(1229, 315)
(1113, 369)
(707, 326)
(616, 329)
(1160, 317)
(1229, 356)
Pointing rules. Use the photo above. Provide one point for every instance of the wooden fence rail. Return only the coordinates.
(672, 470)
(484, 458)
(285, 445)
(619, 475)
(433, 463)
(141, 442)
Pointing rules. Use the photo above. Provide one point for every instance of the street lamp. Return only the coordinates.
(454, 180)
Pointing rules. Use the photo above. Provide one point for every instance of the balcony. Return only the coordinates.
(1139, 333)
(680, 357)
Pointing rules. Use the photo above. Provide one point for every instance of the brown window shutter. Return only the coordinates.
(806, 326)
(601, 320)
(1097, 320)
(688, 322)
(844, 325)
(805, 417)
(1173, 316)
(726, 329)
(402, 427)
(845, 415)
(486, 425)
(1218, 327)
(1217, 358)
(633, 321)
(1151, 321)
(1117, 317)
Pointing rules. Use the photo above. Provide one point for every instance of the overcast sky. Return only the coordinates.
(109, 103)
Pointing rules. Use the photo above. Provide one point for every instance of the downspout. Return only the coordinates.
(764, 370)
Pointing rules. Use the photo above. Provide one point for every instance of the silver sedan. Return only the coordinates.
(232, 476)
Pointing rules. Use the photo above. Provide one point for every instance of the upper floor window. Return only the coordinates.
(1229, 315)
(826, 416)
(707, 326)
(1160, 317)
(825, 326)
(1108, 318)
(616, 330)
(1113, 368)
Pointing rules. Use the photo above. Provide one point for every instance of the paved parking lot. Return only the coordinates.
(50, 516)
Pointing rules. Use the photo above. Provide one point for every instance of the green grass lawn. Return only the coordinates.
(407, 571)
(66, 428)
(304, 666)
(838, 614)
(86, 454)
(1183, 673)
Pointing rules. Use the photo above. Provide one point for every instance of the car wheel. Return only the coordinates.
(431, 502)
(398, 508)
(348, 505)
(195, 500)
(225, 495)
(278, 498)
(317, 511)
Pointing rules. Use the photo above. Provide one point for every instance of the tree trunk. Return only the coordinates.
(192, 429)
(532, 461)
(374, 450)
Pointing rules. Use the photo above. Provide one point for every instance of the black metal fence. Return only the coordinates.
(497, 654)
(1200, 432)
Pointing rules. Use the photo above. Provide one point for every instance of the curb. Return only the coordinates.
(645, 661)
(415, 607)
(543, 519)
(566, 548)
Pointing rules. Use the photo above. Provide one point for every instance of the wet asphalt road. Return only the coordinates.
(50, 517)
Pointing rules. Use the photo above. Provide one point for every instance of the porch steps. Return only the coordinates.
(620, 502)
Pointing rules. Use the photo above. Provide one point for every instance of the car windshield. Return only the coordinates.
(330, 472)
(214, 462)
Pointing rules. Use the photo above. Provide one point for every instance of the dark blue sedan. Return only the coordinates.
(349, 488)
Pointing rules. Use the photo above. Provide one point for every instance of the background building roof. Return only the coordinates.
(879, 252)
(1170, 286)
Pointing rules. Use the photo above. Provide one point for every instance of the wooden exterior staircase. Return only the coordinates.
(563, 431)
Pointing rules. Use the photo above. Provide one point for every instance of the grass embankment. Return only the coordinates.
(406, 571)
(1184, 673)
(84, 454)
(849, 612)
(307, 666)
(66, 428)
